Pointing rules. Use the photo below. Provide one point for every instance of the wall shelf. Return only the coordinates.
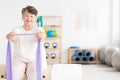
(53, 44)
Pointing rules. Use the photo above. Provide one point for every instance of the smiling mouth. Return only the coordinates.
(28, 21)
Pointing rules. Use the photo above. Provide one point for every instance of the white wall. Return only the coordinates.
(116, 22)
(10, 16)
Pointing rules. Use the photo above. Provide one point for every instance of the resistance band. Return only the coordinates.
(9, 59)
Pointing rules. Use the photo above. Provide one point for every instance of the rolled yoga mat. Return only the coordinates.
(87, 52)
(9, 59)
(87, 56)
(90, 58)
(78, 52)
(76, 58)
(84, 58)
(77, 55)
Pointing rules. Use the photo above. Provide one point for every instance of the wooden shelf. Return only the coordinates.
(58, 37)
(53, 48)
(52, 26)
(71, 52)
(54, 59)
(83, 62)
(52, 16)
(53, 23)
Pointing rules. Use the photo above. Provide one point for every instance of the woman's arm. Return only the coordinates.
(41, 36)
(11, 36)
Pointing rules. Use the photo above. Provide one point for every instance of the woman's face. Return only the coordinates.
(28, 18)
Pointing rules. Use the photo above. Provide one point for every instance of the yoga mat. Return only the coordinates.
(78, 52)
(76, 58)
(9, 59)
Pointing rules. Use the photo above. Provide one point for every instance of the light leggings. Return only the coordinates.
(20, 68)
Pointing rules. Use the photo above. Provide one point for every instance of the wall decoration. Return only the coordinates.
(86, 20)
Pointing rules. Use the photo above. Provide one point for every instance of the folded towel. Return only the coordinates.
(66, 72)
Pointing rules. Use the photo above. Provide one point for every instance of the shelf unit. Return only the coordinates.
(71, 52)
(53, 41)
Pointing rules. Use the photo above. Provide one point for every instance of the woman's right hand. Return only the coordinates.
(10, 36)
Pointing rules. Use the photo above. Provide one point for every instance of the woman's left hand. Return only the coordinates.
(41, 36)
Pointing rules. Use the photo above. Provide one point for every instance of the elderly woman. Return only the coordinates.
(25, 46)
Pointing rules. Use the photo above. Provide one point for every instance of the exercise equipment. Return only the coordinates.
(9, 59)
(108, 54)
(47, 55)
(78, 52)
(87, 52)
(53, 25)
(84, 58)
(74, 47)
(116, 60)
(76, 58)
(101, 54)
(53, 55)
(50, 33)
(46, 45)
(9, 62)
(54, 44)
(83, 55)
(90, 58)
(55, 33)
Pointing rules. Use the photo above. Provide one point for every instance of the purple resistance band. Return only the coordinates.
(9, 59)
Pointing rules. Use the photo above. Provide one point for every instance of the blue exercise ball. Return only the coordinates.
(50, 33)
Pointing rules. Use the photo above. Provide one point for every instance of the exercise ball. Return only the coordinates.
(108, 54)
(55, 33)
(101, 54)
(50, 33)
(116, 60)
